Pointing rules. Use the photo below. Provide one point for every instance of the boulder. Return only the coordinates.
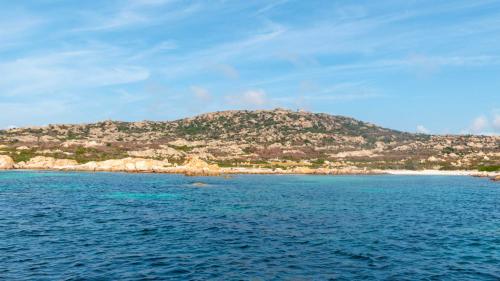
(6, 162)
(43, 162)
(125, 165)
(89, 166)
(303, 170)
(194, 166)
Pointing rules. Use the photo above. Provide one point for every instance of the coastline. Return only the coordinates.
(265, 171)
(441, 173)
(194, 166)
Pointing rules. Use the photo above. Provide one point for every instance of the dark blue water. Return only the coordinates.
(105, 226)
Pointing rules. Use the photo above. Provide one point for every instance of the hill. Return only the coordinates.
(277, 138)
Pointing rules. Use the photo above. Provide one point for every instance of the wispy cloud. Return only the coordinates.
(155, 51)
(226, 70)
(136, 13)
(479, 124)
(201, 94)
(344, 91)
(270, 6)
(421, 129)
(253, 54)
(250, 99)
(15, 29)
(195, 62)
(74, 70)
(496, 122)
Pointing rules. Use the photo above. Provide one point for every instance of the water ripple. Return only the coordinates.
(106, 226)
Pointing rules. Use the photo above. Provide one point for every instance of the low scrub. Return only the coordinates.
(494, 168)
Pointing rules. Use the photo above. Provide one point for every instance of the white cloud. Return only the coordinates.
(339, 92)
(479, 124)
(193, 62)
(271, 5)
(142, 3)
(254, 97)
(496, 122)
(134, 13)
(353, 35)
(227, 70)
(299, 61)
(202, 94)
(157, 50)
(15, 28)
(64, 71)
(250, 99)
(422, 130)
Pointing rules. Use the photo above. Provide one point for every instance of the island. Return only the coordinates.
(278, 141)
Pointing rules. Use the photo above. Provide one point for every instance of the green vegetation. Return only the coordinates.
(318, 161)
(448, 150)
(226, 164)
(86, 154)
(493, 168)
(24, 155)
(183, 148)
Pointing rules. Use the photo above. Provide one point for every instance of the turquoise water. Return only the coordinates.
(112, 226)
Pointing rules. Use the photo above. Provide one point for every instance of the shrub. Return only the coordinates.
(494, 168)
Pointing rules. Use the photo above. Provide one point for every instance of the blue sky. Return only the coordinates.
(429, 66)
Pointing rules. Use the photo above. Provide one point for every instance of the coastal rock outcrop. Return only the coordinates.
(194, 166)
(126, 165)
(43, 162)
(6, 162)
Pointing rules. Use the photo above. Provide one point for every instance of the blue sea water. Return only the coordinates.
(113, 226)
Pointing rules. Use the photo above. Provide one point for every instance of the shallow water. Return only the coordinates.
(112, 226)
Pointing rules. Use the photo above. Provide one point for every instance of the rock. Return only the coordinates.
(194, 166)
(497, 178)
(22, 148)
(302, 170)
(89, 166)
(125, 165)
(157, 153)
(42, 162)
(83, 143)
(357, 153)
(6, 163)
(432, 159)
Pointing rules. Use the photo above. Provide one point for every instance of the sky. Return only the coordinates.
(419, 66)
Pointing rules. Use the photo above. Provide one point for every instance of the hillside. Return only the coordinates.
(254, 138)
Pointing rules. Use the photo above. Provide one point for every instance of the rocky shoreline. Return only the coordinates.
(197, 167)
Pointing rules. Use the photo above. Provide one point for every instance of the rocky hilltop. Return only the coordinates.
(264, 139)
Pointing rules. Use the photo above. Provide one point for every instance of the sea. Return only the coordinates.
(118, 226)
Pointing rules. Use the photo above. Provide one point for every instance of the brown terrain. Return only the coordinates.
(243, 141)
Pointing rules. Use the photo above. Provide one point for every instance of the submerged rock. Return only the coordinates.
(6, 162)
